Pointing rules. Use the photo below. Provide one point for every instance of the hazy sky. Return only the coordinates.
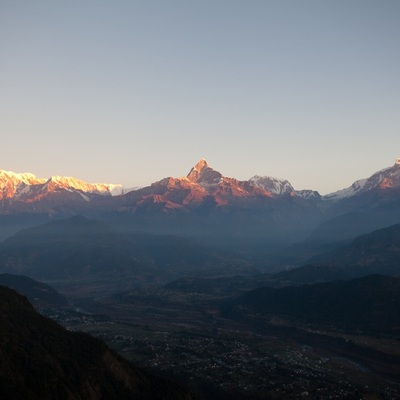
(133, 91)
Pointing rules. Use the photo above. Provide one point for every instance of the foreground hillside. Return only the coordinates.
(41, 360)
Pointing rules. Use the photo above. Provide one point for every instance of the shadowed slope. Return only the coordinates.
(41, 360)
(371, 302)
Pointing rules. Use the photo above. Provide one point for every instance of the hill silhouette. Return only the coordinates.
(81, 248)
(41, 360)
(38, 293)
(371, 302)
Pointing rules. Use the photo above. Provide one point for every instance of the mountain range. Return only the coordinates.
(206, 204)
(27, 187)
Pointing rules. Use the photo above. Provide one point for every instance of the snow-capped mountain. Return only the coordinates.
(26, 186)
(274, 185)
(203, 202)
(282, 187)
(201, 184)
(218, 208)
(308, 194)
(77, 184)
(211, 180)
(222, 187)
(12, 184)
(385, 179)
(204, 175)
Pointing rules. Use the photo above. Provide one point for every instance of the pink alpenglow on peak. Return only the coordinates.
(203, 174)
(23, 186)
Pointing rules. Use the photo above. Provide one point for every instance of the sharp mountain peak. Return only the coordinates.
(203, 174)
(202, 163)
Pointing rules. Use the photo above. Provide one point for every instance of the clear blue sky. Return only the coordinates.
(133, 91)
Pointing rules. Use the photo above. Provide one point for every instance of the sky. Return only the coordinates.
(134, 91)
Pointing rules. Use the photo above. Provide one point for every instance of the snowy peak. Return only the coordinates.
(12, 183)
(201, 185)
(25, 177)
(308, 194)
(274, 185)
(203, 174)
(213, 181)
(282, 187)
(385, 179)
(199, 166)
(77, 184)
(26, 186)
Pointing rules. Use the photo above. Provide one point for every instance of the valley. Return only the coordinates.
(184, 335)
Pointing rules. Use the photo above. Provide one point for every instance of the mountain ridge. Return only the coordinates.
(78, 248)
(22, 185)
(17, 185)
(207, 203)
(384, 179)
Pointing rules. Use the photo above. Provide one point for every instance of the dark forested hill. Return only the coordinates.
(38, 293)
(377, 252)
(372, 302)
(41, 360)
